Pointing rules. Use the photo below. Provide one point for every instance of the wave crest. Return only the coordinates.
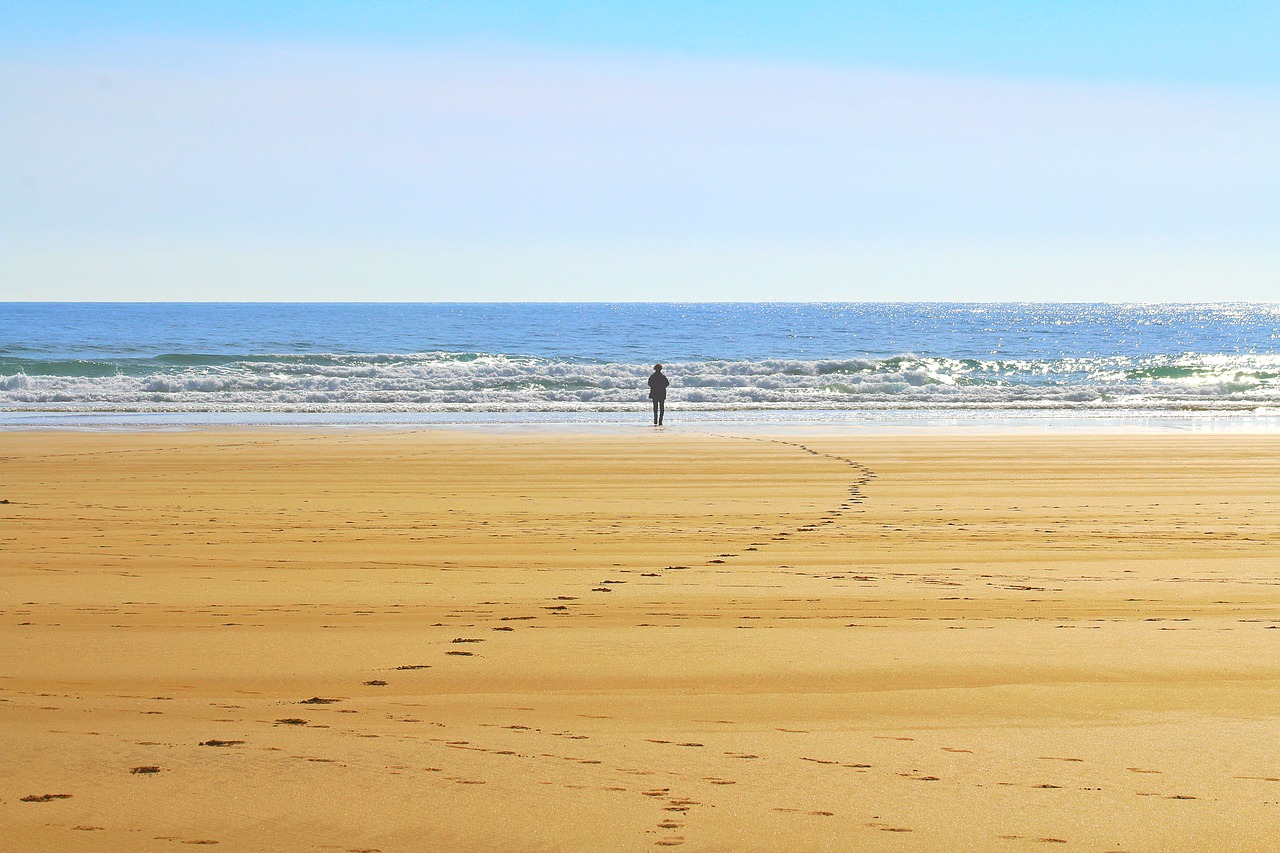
(449, 381)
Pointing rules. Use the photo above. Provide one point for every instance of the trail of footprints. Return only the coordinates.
(678, 798)
(862, 476)
(677, 808)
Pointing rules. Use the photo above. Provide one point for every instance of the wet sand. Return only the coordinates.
(549, 640)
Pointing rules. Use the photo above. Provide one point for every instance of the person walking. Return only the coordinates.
(658, 393)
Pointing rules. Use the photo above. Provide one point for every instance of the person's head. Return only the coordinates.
(658, 367)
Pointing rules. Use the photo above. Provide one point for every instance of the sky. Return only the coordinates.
(640, 151)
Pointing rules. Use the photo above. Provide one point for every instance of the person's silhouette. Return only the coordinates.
(658, 393)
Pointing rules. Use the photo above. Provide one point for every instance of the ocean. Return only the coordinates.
(547, 361)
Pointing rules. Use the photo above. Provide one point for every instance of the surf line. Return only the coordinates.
(855, 495)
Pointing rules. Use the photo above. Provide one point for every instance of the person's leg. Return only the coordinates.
(655, 412)
(662, 410)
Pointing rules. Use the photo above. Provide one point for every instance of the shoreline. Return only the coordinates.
(862, 423)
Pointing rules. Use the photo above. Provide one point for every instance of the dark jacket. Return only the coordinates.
(658, 386)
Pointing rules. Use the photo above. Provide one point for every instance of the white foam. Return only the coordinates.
(453, 382)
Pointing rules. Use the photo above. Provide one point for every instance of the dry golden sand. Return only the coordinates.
(540, 641)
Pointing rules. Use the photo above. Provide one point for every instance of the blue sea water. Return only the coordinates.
(502, 360)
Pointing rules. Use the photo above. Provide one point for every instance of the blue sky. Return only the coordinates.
(633, 151)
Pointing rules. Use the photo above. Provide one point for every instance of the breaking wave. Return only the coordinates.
(484, 382)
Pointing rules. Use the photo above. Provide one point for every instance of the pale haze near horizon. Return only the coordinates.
(255, 158)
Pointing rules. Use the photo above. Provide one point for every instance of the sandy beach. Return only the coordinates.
(553, 639)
